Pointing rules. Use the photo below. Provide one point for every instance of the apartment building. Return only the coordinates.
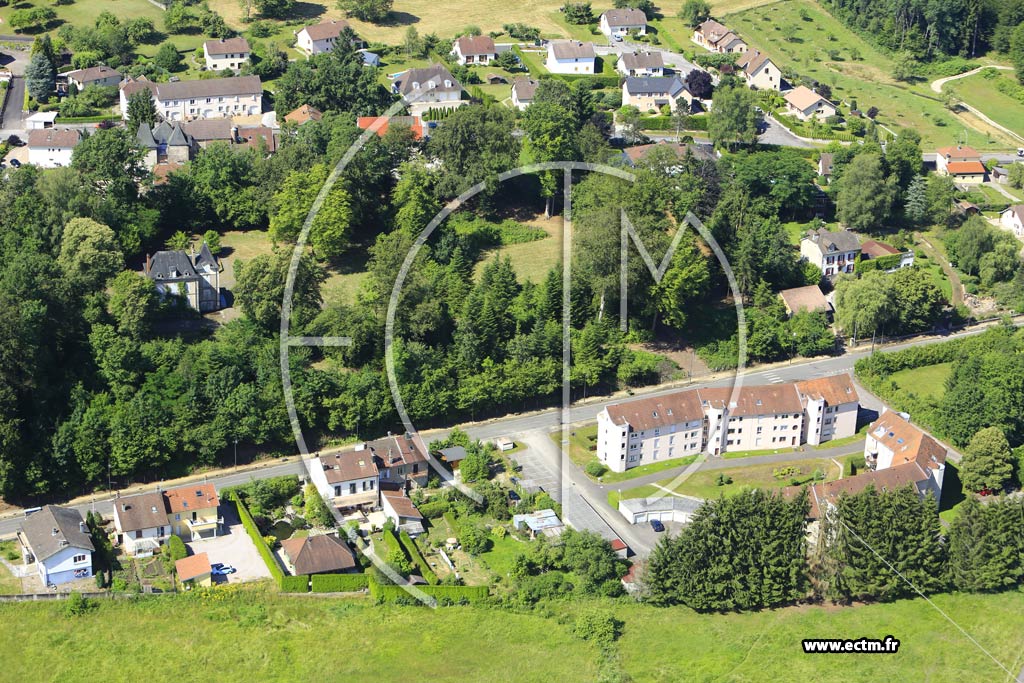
(203, 99)
(714, 421)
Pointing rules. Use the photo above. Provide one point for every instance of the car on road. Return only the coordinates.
(15, 163)
(657, 525)
(220, 569)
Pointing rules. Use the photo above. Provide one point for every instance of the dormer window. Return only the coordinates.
(416, 85)
(447, 83)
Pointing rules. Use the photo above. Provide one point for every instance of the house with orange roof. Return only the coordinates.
(382, 123)
(962, 163)
(193, 511)
(194, 570)
(303, 114)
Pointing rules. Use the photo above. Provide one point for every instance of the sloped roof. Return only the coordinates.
(962, 152)
(643, 60)
(572, 49)
(226, 46)
(830, 241)
(177, 137)
(401, 504)
(965, 167)
(752, 60)
(1017, 210)
(625, 16)
(906, 441)
(767, 399)
(726, 39)
(169, 265)
(825, 163)
(396, 450)
(644, 85)
(453, 454)
(93, 73)
(835, 389)
(54, 137)
(144, 511)
(476, 45)
(524, 88)
(191, 497)
(206, 87)
(325, 30)
(807, 298)
(54, 528)
(657, 411)
(205, 258)
(711, 29)
(303, 114)
(318, 554)
(348, 466)
(193, 566)
(205, 130)
(252, 135)
(803, 98)
(144, 136)
(414, 123)
(876, 249)
(435, 73)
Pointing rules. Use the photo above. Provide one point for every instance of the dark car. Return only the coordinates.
(657, 525)
(15, 163)
(15, 141)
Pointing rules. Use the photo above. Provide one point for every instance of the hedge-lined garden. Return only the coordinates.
(413, 552)
(339, 583)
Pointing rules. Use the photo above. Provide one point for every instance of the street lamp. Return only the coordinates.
(236, 454)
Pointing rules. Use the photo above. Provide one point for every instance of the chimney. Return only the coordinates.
(53, 532)
(81, 526)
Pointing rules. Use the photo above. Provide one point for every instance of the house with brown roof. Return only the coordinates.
(805, 104)
(825, 166)
(648, 94)
(320, 38)
(641, 63)
(474, 50)
(717, 420)
(194, 570)
(226, 53)
(99, 75)
(401, 460)
(523, 90)
(52, 147)
(570, 57)
(807, 299)
(347, 480)
(619, 23)
(141, 523)
(430, 87)
(303, 114)
(962, 163)
(897, 454)
(873, 249)
(206, 98)
(193, 511)
(715, 37)
(403, 512)
(1012, 217)
(320, 554)
(759, 71)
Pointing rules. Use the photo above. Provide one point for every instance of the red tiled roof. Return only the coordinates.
(192, 497)
(193, 567)
(965, 167)
(836, 389)
(876, 249)
(413, 122)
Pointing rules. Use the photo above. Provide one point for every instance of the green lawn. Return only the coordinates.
(980, 92)
(703, 484)
(9, 584)
(867, 79)
(531, 260)
(927, 381)
(237, 245)
(580, 453)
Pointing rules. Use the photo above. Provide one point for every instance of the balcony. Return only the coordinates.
(204, 524)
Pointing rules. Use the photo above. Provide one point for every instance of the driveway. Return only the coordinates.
(233, 547)
(777, 134)
(679, 63)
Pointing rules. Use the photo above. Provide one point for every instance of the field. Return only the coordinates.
(981, 92)
(824, 49)
(531, 260)
(927, 381)
(703, 484)
(255, 636)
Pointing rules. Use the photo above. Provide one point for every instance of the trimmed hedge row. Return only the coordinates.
(413, 551)
(339, 583)
(257, 538)
(294, 584)
(391, 541)
(880, 263)
(695, 122)
(98, 118)
(445, 595)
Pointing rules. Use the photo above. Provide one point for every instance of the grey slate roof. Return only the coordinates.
(830, 242)
(652, 85)
(144, 511)
(145, 136)
(164, 264)
(453, 454)
(205, 258)
(626, 16)
(572, 49)
(208, 129)
(161, 132)
(177, 137)
(643, 60)
(434, 73)
(207, 87)
(54, 528)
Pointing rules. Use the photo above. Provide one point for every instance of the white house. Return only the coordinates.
(719, 420)
(191, 276)
(347, 480)
(399, 509)
(100, 74)
(570, 57)
(833, 252)
(226, 53)
(641, 63)
(619, 23)
(428, 88)
(653, 93)
(962, 163)
(1012, 217)
(141, 523)
(207, 98)
(52, 147)
(715, 37)
(758, 71)
(320, 38)
(805, 104)
(474, 50)
(57, 541)
(523, 90)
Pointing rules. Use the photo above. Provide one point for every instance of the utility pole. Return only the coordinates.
(236, 454)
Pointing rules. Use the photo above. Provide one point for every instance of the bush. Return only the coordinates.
(445, 595)
(175, 549)
(316, 510)
(434, 508)
(339, 583)
(76, 605)
(294, 584)
(598, 627)
(595, 468)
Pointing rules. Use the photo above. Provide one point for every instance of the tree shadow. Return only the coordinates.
(952, 488)
(306, 10)
(400, 19)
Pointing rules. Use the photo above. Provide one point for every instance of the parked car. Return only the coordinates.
(15, 141)
(222, 569)
(15, 163)
(657, 525)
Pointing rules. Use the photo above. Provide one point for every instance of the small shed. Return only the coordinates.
(504, 443)
(544, 522)
(41, 120)
(453, 456)
(809, 298)
(194, 571)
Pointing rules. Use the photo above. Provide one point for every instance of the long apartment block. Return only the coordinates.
(713, 421)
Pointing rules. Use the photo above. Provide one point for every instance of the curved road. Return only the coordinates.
(937, 87)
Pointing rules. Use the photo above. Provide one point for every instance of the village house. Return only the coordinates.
(641, 63)
(715, 37)
(141, 523)
(758, 71)
(474, 50)
(523, 90)
(202, 99)
(570, 57)
(347, 480)
(428, 88)
(303, 114)
(715, 421)
(805, 104)
(834, 252)
(320, 38)
(401, 462)
(57, 541)
(453, 456)
(319, 554)
(52, 147)
(808, 299)
(399, 509)
(619, 23)
(897, 454)
(226, 53)
(873, 249)
(825, 166)
(192, 511)
(632, 155)
(194, 277)
(1012, 217)
(653, 93)
(99, 75)
(165, 143)
(962, 163)
(383, 123)
(194, 570)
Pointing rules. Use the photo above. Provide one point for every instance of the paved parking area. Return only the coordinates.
(233, 547)
(539, 469)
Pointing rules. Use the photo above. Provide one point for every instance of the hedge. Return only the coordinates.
(98, 118)
(391, 541)
(445, 595)
(413, 551)
(294, 584)
(339, 583)
(881, 263)
(257, 538)
(695, 122)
